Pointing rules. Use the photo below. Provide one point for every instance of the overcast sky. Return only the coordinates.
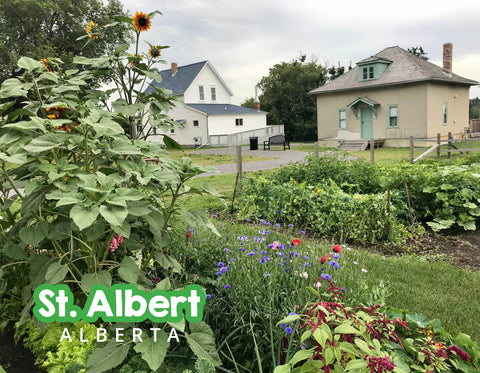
(243, 39)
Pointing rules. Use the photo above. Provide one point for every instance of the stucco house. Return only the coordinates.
(204, 111)
(391, 96)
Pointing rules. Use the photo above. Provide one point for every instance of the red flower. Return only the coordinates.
(296, 242)
(337, 249)
(188, 234)
(323, 259)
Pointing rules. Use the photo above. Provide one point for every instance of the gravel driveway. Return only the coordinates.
(282, 157)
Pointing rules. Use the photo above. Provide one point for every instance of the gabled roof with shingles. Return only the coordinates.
(405, 67)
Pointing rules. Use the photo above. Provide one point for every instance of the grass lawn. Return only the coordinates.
(202, 159)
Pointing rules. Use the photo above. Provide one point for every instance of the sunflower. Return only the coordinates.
(90, 28)
(155, 51)
(141, 22)
(46, 64)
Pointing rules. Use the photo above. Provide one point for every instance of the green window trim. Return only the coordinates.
(445, 113)
(393, 119)
(342, 119)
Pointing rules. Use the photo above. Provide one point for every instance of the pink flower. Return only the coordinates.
(116, 242)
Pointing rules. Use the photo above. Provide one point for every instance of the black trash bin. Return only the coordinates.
(253, 143)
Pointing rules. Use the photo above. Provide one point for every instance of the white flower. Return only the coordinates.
(364, 270)
(305, 275)
(355, 263)
(318, 284)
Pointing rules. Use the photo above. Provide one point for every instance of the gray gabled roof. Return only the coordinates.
(179, 82)
(404, 68)
(217, 109)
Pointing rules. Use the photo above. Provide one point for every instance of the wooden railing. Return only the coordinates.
(450, 142)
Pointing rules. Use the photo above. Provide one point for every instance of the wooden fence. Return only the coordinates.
(450, 142)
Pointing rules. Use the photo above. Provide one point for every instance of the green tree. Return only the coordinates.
(474, 108)
(284, 97)
(49, 28)
(419, 52)
(248, 103)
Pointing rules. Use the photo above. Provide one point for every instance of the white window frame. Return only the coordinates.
(342, 122)
(201, 93)
(213, 93)
(390, 116)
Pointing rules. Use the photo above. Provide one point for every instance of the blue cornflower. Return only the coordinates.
(283, 326)
(279, 211)
(247, 220)
(220, 264)
(208, 296)
(224, 269)
(218, 273)
(251, 253)
(292, 314)
(263, 252)
(226, 286)
(288, 330)
(302, 232)
(303, 345)
(290, 225)
(277, 225)
(336, 256)
(305, 257)
(326, 276)
(267, 274)
(334, 264)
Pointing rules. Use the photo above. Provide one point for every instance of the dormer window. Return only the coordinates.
(372, 68)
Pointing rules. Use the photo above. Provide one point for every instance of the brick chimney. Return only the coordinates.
(256, 101)
(447, 57)
(174, 68)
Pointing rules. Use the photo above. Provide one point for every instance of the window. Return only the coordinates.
(201, 93)
(214, 94)
(239, 122)
(342, 119)
(172, 131)
(365, 73)
(370, 72)
(195, 123)
(393, 116)
(445, 113)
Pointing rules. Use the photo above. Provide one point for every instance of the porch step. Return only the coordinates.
(358, 145)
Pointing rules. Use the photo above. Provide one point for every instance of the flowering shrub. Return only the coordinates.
(325, 209)
(339, 338)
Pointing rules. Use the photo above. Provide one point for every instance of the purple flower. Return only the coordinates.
(226, 250)
(292, 314)
(226, 286)
(267, 274)
(334, 264)
(326, 276)
(220, 264)
(223, 269)
(208, 296)
(218, 273)
(288, 330)
(336, 256)
(303, 345)
(290, 225)
(277, 225)
(251, 253)
(283, 326)
(302, 232)
(279, 211)
(157, 280)
(263, 252)
(247, 220)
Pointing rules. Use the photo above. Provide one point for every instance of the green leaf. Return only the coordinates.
(288, 319)
(115, 215)
(129, 270)
(28, 125)
(168, 262)
(299, 356)
(356, 364)
(56, 272)
(33, 201)
(45, 143)
(15, 251)
(345, 329)
(282, 369)
(202, 342)
(154, 352)
(29, 64)
(100, 278)
(38, 268)
(178, 325)
(84, 217)
(199, 218)
(69, 199)
(108, 357)
(123, 147)
(34, 234)
(171, 143)
(14, 88)
(468, 225)
(164, 285)
(417, 318)
(208, 188)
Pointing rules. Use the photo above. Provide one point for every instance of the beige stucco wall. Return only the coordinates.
(457, 97)
(419, 111)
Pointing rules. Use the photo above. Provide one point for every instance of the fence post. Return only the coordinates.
(468, 142)
(239, 163)
(438, 148)
(411, 149)
(372, 151)
(449, 144)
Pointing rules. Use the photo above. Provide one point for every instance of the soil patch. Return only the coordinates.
(15, 358)
(461, 249)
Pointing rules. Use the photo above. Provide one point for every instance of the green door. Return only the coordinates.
(366, 129)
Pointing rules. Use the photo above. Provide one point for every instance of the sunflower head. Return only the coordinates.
(141, 21)
(92, 30)
(155, 51)
(46, 64)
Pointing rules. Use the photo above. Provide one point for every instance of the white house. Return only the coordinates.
(207, 116)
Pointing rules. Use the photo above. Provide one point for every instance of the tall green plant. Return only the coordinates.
(81, 203)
